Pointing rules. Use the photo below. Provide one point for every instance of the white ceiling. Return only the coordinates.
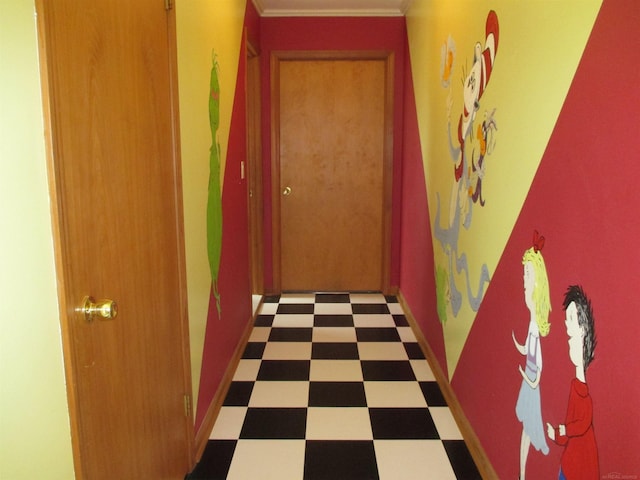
(331, 8)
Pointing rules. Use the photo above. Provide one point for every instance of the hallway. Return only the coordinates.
(334, 386)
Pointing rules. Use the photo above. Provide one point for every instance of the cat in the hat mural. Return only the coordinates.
(468, 150)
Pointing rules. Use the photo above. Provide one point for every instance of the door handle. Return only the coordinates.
(103, 309)
(287, 191)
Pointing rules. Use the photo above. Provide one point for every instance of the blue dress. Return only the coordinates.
(528, 407)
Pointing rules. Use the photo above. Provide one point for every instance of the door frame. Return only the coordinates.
(277, 57)
(66, 305)
(254, 168)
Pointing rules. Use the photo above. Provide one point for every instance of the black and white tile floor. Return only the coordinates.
(334, 386)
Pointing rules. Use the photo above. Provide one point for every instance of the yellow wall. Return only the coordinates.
(540, 44)
(203, 26)
(35, 439)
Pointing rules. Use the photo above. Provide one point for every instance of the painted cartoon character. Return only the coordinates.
(468, 175)
(474, 85)
(580, 457)
(528, 406)
(214, 199)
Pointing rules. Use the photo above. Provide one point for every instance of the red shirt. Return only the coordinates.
(580, 457)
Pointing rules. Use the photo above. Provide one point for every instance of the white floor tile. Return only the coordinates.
(406, 334)
(268, 460)
(287, 351)
(280, 395)
(334, 334)
(381, 320)
(445, 423)
(394, 395)
(247, 370)
(367, 298)
(268, 309)
(395, 309)
(260, 334)
(382, 351)
(348, 423)
(422, 371)
(412, 460)
(229, 423)
(333, 309)
(293, 320)
(335, 371)
(298, 298)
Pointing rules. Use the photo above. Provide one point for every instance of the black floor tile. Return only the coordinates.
(239, 394)
(414, 351)
(461, 460)
(387, 370)
(369, 308)
(264, 320)
(215, 461)
(254, 350)
(337, 394)
(299, 308)
(271, 299)
(279, 370)
(400, 320)
(433, 394)
(333, 320)
(391, 298)
(340, 460)
(274, 423)
(368, 334)
(402, 423)
(290, 334)
(335, 351)
(332, 298)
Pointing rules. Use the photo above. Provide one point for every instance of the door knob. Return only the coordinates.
(103, 309)
(287, 191)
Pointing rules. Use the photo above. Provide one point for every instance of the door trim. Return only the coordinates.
(282, 56)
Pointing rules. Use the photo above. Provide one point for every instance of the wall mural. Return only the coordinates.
(214, 200)
(580, 457)
(576, 434)
(468, 150)
(537, 299)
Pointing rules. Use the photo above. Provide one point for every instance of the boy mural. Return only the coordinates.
(580, 457)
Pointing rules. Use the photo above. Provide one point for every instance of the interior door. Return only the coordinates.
(109, 102)
(332, 122)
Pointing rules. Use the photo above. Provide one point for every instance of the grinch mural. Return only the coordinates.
(470, 143)
(214, 200)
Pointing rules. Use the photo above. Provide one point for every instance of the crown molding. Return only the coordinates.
(332, 8)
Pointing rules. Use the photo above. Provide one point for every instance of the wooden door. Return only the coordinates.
(332, 173)
(108, 70)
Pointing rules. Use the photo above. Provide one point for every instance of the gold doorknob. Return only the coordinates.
(103, 309)
(287, 191)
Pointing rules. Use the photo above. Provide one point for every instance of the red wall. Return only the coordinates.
(224, 331)
(583, 200)
(345, 33)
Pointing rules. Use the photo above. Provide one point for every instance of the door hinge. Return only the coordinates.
(168, 4)
(187, 405)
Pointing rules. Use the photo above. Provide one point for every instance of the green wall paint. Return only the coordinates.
(202, 27)
(35, 437)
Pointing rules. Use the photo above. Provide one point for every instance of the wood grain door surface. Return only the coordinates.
(331, 115)
(115, 182)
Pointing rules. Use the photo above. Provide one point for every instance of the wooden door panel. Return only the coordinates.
(115, 178)
(332, 117)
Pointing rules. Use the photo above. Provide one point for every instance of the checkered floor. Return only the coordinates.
(334, 386)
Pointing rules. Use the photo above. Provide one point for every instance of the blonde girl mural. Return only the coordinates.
(528, 407)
